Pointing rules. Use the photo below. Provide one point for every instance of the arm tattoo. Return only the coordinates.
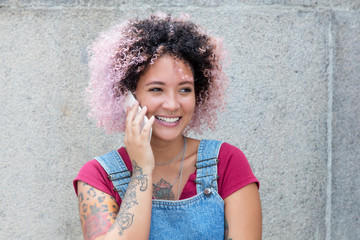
(227, 231)
(125, 218)
(95, 216)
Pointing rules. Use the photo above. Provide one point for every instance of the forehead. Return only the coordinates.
(168, 67)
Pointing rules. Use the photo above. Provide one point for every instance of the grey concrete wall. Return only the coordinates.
(345, 170)
(293, 108)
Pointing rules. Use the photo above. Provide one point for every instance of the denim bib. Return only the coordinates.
(198, 217)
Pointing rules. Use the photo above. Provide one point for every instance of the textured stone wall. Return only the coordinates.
(293, 108)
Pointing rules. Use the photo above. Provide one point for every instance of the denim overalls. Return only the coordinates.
(198, 217)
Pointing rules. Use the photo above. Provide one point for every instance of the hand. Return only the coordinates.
(136, 139)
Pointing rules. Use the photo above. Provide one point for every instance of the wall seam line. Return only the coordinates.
(328, 211)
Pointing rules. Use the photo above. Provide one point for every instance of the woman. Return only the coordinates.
(171, 186)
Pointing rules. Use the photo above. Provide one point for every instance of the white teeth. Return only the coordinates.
(170, 120)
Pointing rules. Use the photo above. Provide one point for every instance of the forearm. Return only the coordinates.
(133, 219)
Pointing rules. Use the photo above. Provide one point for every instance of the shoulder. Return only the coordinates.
(90, 169)
(95, 175)
(227, 154)
(226, 150)
(108, 159)
(229, 151)
(232, 157)
(233, 169)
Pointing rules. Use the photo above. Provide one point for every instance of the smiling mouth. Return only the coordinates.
(168, 120)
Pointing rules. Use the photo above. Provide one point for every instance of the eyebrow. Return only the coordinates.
(162, 83)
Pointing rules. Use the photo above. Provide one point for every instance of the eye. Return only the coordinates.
(186, 90)
(155, 89)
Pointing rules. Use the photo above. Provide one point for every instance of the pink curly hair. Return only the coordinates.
(120, 55)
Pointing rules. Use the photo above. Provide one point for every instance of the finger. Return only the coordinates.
(130, 114)
(132, 109)
(139, 117)
(146, 131)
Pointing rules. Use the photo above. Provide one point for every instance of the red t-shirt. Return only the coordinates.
(233, 169)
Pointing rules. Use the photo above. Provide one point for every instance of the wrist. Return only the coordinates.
(142, 169)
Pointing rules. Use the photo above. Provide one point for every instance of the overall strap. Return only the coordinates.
(206, 165)
(117, 171)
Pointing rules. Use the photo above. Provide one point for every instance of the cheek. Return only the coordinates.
(150, 103)
(190, 106)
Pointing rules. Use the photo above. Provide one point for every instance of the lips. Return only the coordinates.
(168, 120)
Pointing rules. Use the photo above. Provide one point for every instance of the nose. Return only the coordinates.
(171, 103)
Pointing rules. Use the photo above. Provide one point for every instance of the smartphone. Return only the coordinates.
(129, 102)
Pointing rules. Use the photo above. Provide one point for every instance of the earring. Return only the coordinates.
(171, 113)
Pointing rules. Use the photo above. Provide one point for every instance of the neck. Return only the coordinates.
(164, 151)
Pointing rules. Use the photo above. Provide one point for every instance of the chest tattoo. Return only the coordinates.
(163, 190)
